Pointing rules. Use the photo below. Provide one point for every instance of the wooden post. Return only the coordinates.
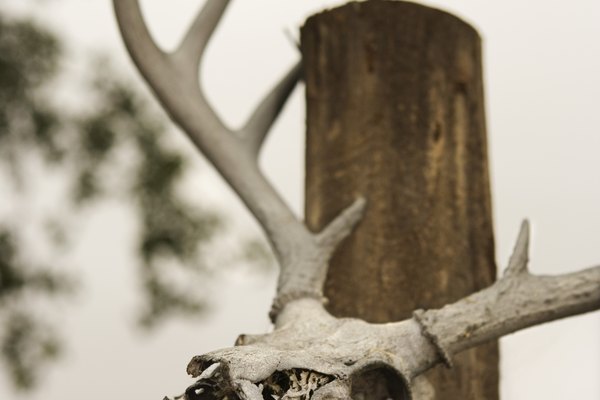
(395, 113)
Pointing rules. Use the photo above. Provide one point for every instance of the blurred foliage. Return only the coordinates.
(16, 276)
(28, 59)
(27, 342)
(27, 345)
(170, 228)
(118, 147)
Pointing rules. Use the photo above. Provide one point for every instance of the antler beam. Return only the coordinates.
(302, 255)
(517, 301)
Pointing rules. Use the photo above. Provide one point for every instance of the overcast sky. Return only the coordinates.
(543, 94)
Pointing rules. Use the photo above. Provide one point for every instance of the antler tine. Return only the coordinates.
(189, 54)
(194, 42)
(259, 123)
(184, 62)
(173, 77)
(518, 260)
(137, 38)
(342, 225)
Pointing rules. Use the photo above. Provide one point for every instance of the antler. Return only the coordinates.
(516, 301)
(317, 354)
(307, 338)
(302, 255)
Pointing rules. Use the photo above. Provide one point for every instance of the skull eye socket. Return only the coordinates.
(381, 382)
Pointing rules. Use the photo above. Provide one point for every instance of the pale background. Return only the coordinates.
(543, 95)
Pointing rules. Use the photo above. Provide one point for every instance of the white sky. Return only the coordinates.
(543, 90)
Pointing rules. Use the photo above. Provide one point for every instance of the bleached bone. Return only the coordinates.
(308, 338)
(302, 255)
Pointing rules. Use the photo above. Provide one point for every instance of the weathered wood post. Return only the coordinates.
(395, 112)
